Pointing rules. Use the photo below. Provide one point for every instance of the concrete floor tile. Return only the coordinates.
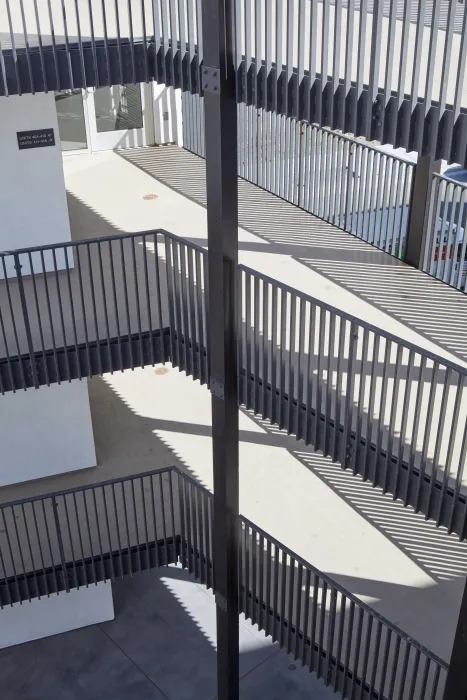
(180, 660)
(79, 665)
(169, 630)
(280, 678)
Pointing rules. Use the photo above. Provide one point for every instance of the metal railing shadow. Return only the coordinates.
(432, 310)
(382, 407)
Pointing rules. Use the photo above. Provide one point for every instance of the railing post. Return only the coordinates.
(218, 82)
(27, 326)
(60, 545)
(419, 208)
(456, 681)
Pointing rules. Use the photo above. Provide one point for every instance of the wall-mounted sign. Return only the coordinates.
(38, 138)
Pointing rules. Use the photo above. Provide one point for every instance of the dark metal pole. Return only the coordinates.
(220, 108)
(418, 212)
(456, 681)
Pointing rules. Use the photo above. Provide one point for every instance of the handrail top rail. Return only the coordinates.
(450, 180)
(86, 487)
(438, 359)
(362, 142)
(99, 240)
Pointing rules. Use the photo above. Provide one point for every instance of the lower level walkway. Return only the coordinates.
(161, 645)
(387, 555)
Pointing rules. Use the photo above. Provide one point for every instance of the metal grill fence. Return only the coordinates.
(365, 72)
(382, 407)
(353, 185)
(360, 67)
(53, 543)
(445, 254)
(65, 309)
(81, 536)
(388, 410)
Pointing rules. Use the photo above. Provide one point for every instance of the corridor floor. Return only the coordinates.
(161, 645)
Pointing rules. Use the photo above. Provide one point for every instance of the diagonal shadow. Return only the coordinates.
(428, 306)
(86, 221)
(161, 644)
(420, 610)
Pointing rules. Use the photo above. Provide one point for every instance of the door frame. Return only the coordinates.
(145, 138)
(123, 138)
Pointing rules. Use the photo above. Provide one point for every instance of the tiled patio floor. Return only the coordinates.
(160, 645)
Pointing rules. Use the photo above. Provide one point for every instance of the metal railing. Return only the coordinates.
(47, 45)
(53, 543)
(352, 648)
(445, 251)
(387, 409)
(360, 188)
(81, 536)
(82, 308)
(100, 305)
(358, 68)
(351, 66)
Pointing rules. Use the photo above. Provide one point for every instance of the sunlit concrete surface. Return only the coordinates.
(105, 196)
(161, 645)
(385, 554)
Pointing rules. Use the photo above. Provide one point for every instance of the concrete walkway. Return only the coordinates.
(106, 193)
(161, 645)
(417, 577)
(388, 556)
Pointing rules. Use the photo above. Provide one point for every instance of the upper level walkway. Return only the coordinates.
(386, 554)
(106, 196)
(350, 66)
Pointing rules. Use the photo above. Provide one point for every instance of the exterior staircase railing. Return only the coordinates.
(384, 408)
(53, 543)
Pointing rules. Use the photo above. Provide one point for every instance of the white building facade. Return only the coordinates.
(48, 431)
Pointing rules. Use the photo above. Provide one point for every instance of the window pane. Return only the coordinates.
(71, 124)
(118, 108)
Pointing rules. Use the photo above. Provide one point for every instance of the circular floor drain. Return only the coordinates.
(161, 370)
(150, 196)
(292, 667)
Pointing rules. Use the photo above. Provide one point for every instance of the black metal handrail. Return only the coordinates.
(77, 537)
(354, 391)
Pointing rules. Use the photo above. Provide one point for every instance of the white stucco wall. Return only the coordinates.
(45, 431)
(32, 187)
(37, 619)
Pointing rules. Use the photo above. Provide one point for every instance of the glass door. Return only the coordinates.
(117, 117)
(72, 120)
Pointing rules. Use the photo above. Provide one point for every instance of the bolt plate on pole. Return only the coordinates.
(217, 388)
(210, 80)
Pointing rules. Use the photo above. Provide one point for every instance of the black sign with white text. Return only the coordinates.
(38, 138)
